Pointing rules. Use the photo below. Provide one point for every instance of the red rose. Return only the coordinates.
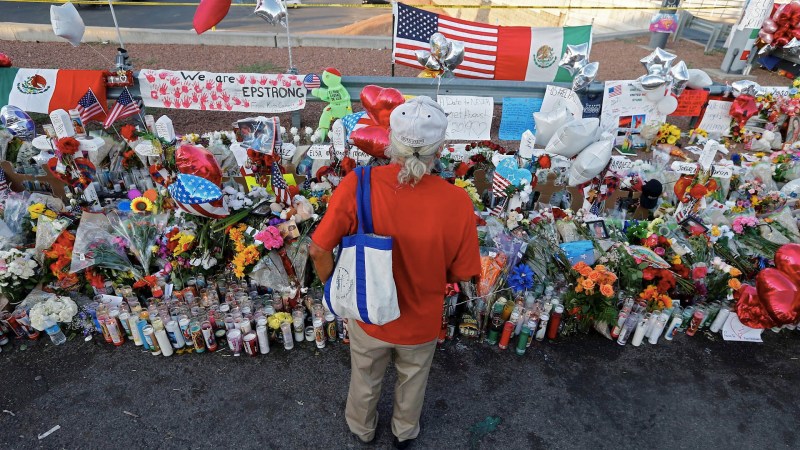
(68, 145)
(648, 274)
(128, 132)
(461, 170)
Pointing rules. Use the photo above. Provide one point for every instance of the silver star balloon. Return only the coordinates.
(586, 74)
(746, 87)
(765, 50)
(444, 56)
(272, 11)
(680, 77)
(575, 57)
(659, 57)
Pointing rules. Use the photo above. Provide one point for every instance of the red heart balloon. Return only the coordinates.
(743, 108)
(779, 296)
(195, 160)
(372, 140)
(787, 260)
(749, 309)
(209, 13)
(380, 102)
(780, 41)
(5, 61)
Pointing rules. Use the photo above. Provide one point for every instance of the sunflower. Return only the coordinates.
(141, 205)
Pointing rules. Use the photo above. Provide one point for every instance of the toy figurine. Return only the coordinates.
(337, 97)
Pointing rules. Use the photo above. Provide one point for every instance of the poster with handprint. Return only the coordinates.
(209, 91)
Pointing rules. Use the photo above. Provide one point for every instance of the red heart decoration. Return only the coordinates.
(743, 108)
(380, 102)
(779, 295)
(749, 309)
(209, 13)
(787, 260)
(195, 160)
(372, 140)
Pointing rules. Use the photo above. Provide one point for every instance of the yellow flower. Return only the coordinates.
(715, 231)
(672, 140)
(51, 214)
(676, 260)
(35, 210)
(460, 183)
(141, 205)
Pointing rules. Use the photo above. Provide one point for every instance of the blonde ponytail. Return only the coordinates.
(416, 162)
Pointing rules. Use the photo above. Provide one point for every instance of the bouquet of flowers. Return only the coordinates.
(140, 232)
(17, 274)
(747, 235)
(51, 311)
(593, 297)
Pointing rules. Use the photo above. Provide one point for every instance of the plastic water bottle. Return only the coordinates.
(56, 335)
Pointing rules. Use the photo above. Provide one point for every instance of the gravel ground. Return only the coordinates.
(577, 392)
(618, 60)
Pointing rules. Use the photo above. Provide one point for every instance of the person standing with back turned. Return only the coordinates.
(435, 238)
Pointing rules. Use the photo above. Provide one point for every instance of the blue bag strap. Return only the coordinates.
(359, 185)
(366, 201)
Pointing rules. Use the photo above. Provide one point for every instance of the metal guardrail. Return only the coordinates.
(497, 89)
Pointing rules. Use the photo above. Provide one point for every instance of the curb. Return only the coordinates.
(44, 33)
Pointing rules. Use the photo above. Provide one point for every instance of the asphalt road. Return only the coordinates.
(580, 392)
(240, 18)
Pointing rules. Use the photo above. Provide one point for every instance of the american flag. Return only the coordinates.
(312, 81)
(88, 106)
(499, 208)
(499, 185)
(352, 122)
(415, 28)
(615, 91)
(212, 210)
(124, 107)
(279, 186)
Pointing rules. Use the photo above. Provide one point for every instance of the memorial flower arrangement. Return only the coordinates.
(55, 309)
(18, 273)
(592, 299)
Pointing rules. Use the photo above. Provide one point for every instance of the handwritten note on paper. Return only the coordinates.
(735, 330)
(624, 103)
(755, 14)
(517, 117)
(468, 118)
(690, 103)
(717, 118)
(556, 96)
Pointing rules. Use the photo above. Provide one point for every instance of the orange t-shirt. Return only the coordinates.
(435, 237)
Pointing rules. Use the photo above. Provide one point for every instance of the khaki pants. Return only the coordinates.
(368, 360)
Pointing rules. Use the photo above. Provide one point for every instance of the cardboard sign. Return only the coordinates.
(556, 96)
(755, 14)
(245, 92)
(319, 151)
(517, 117)
(620, 164)
(717, 118)
(337, 135)
(689, 168)
(468, 118)
(690, 103)
(708, 154)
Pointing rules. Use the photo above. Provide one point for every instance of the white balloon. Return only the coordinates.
(547, 123)
(590, 162)
(67, 23)
(668, 105)
(573, 137)
(698, 79)
(655, 95)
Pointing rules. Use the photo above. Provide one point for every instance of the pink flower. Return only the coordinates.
(270, 237)
(659, 251)
(699, 272)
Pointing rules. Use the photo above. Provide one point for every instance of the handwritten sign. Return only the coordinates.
(517, 117)
(690, 103)
(625, 104)
(717, 119)
(689, 168)
(708, 154)
(247, 92)
(468, 118)
(555, 97)
(755, 14)
(336, 135)
(319, 151)
(735, 330)
(620, 164)
(526, 145)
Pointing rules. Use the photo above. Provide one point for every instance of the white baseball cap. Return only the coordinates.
(419, 122)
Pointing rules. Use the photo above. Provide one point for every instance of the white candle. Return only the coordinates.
(719, 321)
(263, 339)
(163, 342)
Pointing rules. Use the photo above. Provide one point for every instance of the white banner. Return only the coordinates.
(243, 92)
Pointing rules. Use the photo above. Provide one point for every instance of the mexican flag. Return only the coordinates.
(533, 54)
(45, 90)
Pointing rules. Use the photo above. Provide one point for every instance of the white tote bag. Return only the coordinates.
(362, 285)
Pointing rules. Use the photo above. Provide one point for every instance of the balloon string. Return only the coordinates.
(100, 54)
(289, 44)
(116, 25)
